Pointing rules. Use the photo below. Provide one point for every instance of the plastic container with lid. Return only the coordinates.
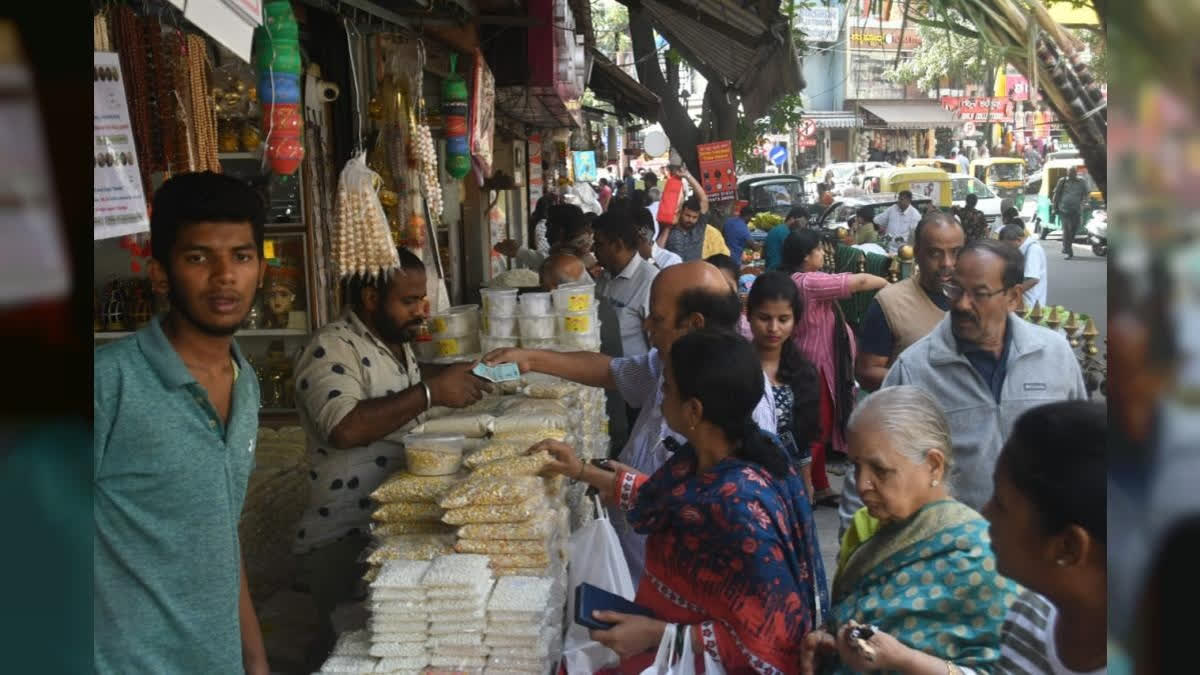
(433, 454)
(490, 343)
(535, 304)
(578, 323)
(589, 341)
(538, 327)
(502, 326)
(455, 322)
(499, 301)
(425, 350)
(534, 343)
(574, 297)
(457, 346)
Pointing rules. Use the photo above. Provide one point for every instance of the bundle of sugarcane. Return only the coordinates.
(1049, 56)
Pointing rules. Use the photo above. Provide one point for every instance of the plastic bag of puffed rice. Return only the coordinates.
(458, 663)
(439, 628)
(531, 437)
(406, 487)
(383, 626)
(471, 426)
(385, 644)
(525, 406)
(402, 575)
(491, 490)
(407, 511)
(490, 547)
(353, 643)
(349, 664)
(520, 571)
(411, 547)
(476, 589)
(456, 569)
(541, 526)
(405, 649)
(391, 664)
(408, 527)
(532, 422)
(520, 594)
(460, 640)
(494, 451)
(525, 465)
(496, 513)
(502, 560)
(457, 650)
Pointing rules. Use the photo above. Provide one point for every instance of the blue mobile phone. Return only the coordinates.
(589, 599)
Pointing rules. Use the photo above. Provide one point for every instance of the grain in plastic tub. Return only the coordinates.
(502, 326)
(499, 301)
(535, 304)
(577, 323)
(538, 327)
(490, 343)
(574, 298)
(534, 343)
(457, 346)
(433, 454)
(455, 322)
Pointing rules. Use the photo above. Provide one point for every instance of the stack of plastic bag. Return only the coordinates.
(351, 655)
(458, 587)
(524, 628)
(399, 624)
(407, 504)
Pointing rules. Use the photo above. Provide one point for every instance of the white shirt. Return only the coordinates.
(653, 209)
(627, 296)
(1035, 268)
(1027, 643)
(345, 363)
(640, 382)
(662, 257)
(898, 224)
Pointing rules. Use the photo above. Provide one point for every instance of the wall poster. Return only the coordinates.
(118, 201)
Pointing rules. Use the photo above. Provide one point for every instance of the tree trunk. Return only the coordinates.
(673, 115)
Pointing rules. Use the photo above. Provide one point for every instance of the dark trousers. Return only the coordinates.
(331, 573)
(1070, 225)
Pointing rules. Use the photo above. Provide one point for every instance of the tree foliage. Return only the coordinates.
(947, 54)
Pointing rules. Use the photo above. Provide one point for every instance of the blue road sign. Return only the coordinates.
(778, 155)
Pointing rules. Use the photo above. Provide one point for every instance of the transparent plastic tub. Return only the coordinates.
(535, 304)
(502, 326)
(534, 343)
(490, 343)
(574, 298)
(499, 301)
(425, 351)
(538, 327)
(457, 346)
(577, 323)
(433, 454)
(455, 322)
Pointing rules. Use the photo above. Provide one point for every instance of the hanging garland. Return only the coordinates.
(134, 66)
(203, 114)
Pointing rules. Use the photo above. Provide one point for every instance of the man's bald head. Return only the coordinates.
(562, 268)
(689, 296)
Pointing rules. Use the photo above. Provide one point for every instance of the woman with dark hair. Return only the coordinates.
(731, 553)
(537, 223)
(822, 336)
(773, 309)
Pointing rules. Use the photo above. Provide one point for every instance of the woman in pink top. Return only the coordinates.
(816, 339)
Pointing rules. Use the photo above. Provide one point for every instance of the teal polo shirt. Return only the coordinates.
(170, 480)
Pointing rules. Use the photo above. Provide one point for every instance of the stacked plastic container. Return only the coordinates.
(455, 334)
(537, 323)
(578, 320)
(499, 318)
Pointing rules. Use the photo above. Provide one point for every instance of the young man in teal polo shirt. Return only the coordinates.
(176, 417)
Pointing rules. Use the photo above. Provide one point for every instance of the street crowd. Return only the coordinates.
(973, 530)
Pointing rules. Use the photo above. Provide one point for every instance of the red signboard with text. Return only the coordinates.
(981, 109)
(716, 170)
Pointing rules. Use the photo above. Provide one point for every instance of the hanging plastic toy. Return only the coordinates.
(454, 111)
(277, 58)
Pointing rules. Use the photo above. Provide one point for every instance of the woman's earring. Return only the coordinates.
(934, 483)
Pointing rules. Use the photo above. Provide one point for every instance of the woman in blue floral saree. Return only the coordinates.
(915, 566)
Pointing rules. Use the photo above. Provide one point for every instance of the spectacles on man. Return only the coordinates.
(953, 292)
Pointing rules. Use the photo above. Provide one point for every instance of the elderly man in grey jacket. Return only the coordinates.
(985, 366)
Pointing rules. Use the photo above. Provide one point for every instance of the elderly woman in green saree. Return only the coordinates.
(916, 589)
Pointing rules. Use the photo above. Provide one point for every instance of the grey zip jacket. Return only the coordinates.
(1041, 368)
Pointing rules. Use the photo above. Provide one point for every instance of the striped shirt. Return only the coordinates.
(813, 334)
(1027, 644)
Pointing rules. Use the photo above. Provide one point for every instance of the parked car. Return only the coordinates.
(774, 192)
(990, 203)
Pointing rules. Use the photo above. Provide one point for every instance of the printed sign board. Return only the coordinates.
(717, 173)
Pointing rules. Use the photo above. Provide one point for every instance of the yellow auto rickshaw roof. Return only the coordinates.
(915, 173)
(997, 160)
(1064, 163)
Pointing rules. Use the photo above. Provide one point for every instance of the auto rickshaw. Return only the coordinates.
(1055, 169)
(1004, 175)
(947, 165)
(924, 182)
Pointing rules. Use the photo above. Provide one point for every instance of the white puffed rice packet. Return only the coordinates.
(520, 663)
(476, 589)
(353, 643)
(456, 569)
(399, 611)
(410, 547)
(504, 670)
(531, 631)
(387, 644)
(457, 663)
(392, 664)
(455, 650)
(464, 615)
(436, 607)
(378, 624)
(460, 640)
(397, 597)
(404, 649)
(349, 664)
(520, 594)
(402, 575)
(516, 617)
(439, 628)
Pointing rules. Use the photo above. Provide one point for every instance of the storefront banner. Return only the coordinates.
(819, 24)
(483, 116)
(997, 109)
(536, 185)
(717, 174)
(585, 166)
(885, 38)
(1018, 87)
(118, 202)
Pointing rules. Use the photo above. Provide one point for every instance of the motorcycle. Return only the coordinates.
(1097, 232)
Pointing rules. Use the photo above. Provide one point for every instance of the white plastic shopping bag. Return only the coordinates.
(675, 655)
(595, 558)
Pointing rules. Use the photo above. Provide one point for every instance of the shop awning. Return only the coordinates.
(541, 107)
(833, 119)
(908, 114)
(755, 57)
(611, 83)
